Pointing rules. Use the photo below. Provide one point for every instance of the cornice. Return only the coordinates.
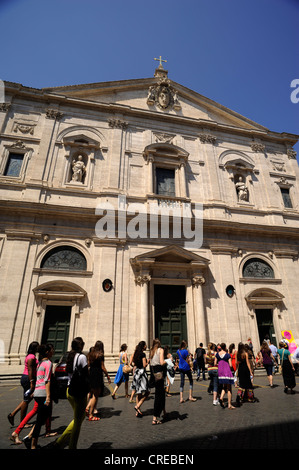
(210, 227)
(47, 97)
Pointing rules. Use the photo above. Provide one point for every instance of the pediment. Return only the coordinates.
(59, 287)
(264, 296)
(135, 95)
(170, 255)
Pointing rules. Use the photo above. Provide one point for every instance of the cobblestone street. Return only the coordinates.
(271, 423)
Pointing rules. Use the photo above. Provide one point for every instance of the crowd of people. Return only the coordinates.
(226, 367)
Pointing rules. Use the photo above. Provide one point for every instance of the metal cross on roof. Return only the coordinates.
(161, 60)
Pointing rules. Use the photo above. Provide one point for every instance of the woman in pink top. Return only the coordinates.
(27, 381)
(42, 390)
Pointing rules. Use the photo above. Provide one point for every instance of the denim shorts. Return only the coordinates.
(25, 382)
(213, 374)
(269, 369)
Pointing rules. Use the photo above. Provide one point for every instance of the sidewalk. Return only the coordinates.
(271, 423)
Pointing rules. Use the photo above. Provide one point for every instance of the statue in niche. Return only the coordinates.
(242, 190)
(78, 169)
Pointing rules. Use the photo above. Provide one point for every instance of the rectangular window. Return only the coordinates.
(165, 182)
(14, 164)
(285, 192)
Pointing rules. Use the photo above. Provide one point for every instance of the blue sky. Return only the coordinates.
(242, 54)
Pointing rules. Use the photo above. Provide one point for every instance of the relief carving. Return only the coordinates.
(117, 123)
(4, 107)
(25, 129)
(53, 114)
(292, 154)
(258, 147)
(207, 138)
(163, 95)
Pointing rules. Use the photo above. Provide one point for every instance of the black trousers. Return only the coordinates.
(159, 402)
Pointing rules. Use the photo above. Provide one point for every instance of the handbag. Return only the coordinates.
(127, 369)
(158, 376)
(79, 385)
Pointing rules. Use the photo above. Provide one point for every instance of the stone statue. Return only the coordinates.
(151, 95)
(78, 169)
(242, 190)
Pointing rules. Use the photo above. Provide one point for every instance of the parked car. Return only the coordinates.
(61, 375)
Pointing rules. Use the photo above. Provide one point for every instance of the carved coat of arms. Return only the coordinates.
(163, 95)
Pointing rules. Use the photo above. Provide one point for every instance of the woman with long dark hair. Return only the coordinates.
(185, 369)
(244, 371)
(225, 375)
(42, 393)
(96, 369)
(288, 369)
(140, 380)
(158, 370)
(75, 360)
(28, 379)
(266, 358)
(120, 376)
(212, 372)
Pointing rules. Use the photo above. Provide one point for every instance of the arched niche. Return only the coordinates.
(240, 170)
(80, 146)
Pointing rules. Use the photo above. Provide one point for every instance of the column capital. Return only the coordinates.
(143, 279)
(198, 280)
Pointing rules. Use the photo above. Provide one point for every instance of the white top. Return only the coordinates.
(155, 361)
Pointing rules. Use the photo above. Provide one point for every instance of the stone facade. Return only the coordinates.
(68, 153)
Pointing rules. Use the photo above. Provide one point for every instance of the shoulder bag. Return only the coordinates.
(79, 385)
(281, 364)
(127, 369)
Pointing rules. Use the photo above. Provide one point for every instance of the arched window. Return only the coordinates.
(257, 268)
(64, 258)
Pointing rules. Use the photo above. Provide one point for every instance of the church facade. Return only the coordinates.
(139, 209)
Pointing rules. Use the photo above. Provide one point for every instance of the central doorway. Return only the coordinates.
(264, 318)
(56, 328)
(170, 315)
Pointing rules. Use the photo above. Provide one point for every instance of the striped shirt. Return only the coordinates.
(43, 375)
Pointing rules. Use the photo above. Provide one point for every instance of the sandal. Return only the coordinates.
(93, 418)
(11, 419)
(15, 439)
(138, 412)
(192, 399)
(51, 434)
(156, 421)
